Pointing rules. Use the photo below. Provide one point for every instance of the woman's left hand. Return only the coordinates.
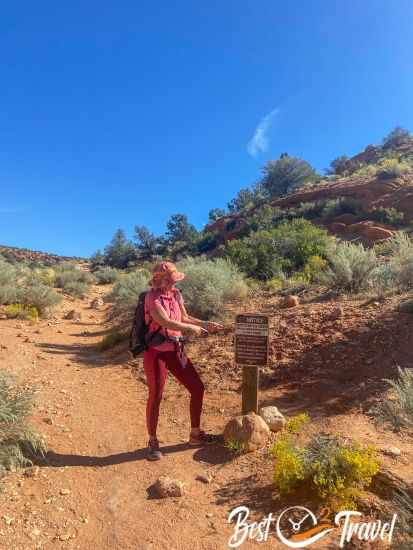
(214, 327)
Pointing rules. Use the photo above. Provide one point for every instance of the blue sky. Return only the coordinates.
(121, 113)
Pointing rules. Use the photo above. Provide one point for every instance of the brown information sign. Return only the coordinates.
(251, 340)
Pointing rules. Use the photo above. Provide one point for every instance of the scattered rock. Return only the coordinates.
(97, 303)
(65, 536)
(392, 451)
(272, 416)
(48, 420)
(290, 301)
(250, 430)
(64, 492)
(166, 486)
(74, 315)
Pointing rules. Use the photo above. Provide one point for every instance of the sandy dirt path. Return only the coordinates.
(95, 492)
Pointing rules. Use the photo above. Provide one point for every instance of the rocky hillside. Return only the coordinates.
(15, 254)
(368, 190)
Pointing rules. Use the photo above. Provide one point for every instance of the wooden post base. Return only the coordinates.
(250, 379)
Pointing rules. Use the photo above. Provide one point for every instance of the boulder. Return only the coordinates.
(166, 486)
(375, 234)
(73, 315)
(250, 430)
(272, 416)
(290, 301)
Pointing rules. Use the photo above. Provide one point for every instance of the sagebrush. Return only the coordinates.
(350, 268)
(18, 442)
(397, 410)
(210, 284)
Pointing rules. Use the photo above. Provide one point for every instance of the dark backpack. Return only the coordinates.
(139, 332)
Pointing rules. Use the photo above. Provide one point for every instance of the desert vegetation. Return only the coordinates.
(18, 442)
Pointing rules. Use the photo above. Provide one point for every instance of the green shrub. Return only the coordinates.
(297, 241)
(391, 168)
(313, 268)
(22, 311)
(72, 280)
(350, 268)
(106, 275)
(77, 289)
(336, 207)
(398, 411)
(8, 283)
(40, 296)
(396, 137)
(125, 293)
(399, 269)
(209, 284)
(18, 442)
(46, 275)
(333, 468)
(235, 446)
(286, 175)
(287, 248)
(111, 340)
(387, 215)
(256, 256)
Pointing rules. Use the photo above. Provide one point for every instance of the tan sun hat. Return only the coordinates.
(165, 273)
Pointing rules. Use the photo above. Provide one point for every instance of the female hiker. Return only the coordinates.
(167, 319)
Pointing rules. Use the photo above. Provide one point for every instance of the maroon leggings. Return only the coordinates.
(156, 365)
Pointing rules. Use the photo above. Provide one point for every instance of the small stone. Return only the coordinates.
(48, 420)
(166, 486)
(392, 451)
(209, 515)
(290, 301)
(272, 416)
(64, 491)
(65, 536)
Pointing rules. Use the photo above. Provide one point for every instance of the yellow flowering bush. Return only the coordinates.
(333, 468)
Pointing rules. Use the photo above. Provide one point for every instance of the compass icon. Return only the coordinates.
(297, 527)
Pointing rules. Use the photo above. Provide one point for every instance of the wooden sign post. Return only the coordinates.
(251, 351)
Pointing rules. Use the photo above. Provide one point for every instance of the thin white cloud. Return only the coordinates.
(260, 141)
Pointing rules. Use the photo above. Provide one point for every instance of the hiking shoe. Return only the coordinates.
(203, 439)
(153, 452)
